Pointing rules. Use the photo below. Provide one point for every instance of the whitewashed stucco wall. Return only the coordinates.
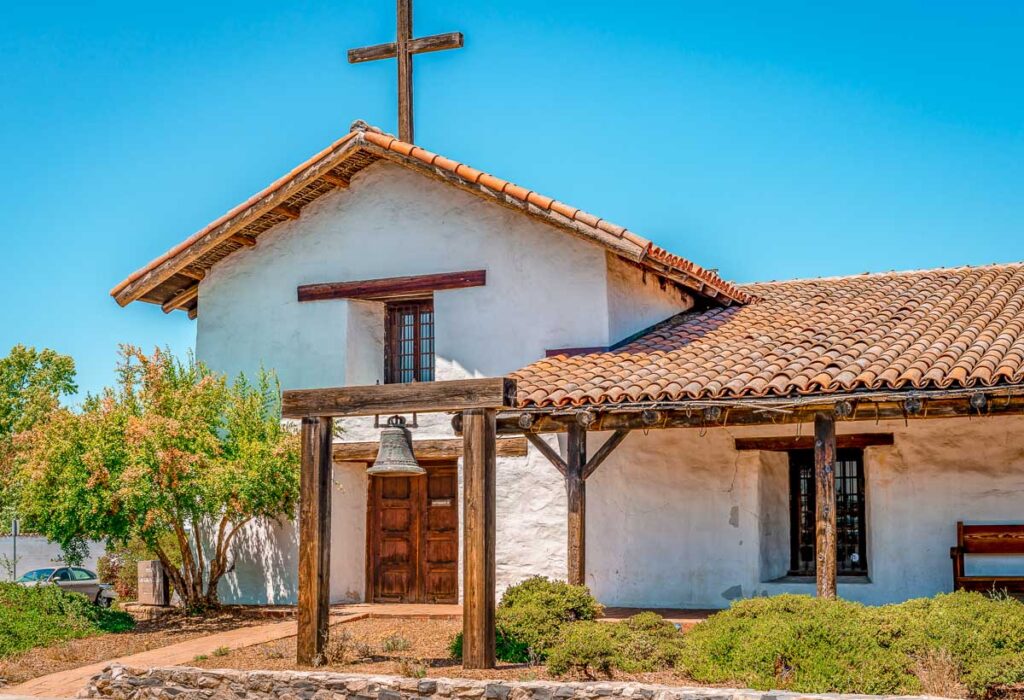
(681, 519)
(545, 289)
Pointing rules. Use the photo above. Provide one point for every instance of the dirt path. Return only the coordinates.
(68, 683)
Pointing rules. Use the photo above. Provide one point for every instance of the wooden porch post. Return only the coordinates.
(825, 502)
(314, 539)
(576, 501)
(479, 574)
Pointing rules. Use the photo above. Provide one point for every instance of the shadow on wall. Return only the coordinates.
(266, 564)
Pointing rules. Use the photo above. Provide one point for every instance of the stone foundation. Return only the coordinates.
(180, 683)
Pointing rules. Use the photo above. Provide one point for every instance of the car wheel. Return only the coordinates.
(103, 601)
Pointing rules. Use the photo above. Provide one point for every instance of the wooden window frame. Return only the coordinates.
(393, 369)
(803, 459)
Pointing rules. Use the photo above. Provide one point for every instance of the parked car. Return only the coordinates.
(72, 578)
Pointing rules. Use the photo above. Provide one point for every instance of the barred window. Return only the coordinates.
(409, 342)
(851, 527)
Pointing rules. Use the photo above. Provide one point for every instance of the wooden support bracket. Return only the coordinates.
(548, 451)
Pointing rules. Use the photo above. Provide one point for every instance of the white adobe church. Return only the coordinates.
(377, 261)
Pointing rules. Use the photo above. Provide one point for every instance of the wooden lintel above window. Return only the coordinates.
(806, 442)
(425, 450)
(392, 287)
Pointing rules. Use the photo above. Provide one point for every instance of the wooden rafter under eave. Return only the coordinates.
(182, 299)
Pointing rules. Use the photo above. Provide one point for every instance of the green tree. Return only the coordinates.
(32, 383)
(173, 448)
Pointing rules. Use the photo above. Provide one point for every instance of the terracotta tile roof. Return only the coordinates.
(927, 329)
(177, 270)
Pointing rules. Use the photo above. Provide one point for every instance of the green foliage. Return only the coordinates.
(172, 450)
(646, 642)
(32, 383)
(584, 647)
(38, 616)
(506, 648)
(531, 615)
(816, 646)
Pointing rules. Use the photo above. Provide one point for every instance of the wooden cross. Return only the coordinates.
(403, 49)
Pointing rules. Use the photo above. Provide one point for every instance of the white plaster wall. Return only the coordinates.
(681, 519)
(35, 552)
(265, 554)
(636, 299)
(393, 222)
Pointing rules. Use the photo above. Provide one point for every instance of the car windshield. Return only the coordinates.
(37, 575)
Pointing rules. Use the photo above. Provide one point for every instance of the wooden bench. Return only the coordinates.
(986, 540)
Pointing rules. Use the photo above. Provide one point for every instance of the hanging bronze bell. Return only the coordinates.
(395, 457)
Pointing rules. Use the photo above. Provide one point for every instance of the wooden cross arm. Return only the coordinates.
(592, 464)
(426, 44)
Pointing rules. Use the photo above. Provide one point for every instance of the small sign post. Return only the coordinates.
(14, 546)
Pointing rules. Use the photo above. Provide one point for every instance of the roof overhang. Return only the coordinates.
(171, 279)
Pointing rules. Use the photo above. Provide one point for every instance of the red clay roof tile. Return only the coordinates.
(925, 329)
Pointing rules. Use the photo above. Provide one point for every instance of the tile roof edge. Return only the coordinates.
(881, 273)
(363, 135)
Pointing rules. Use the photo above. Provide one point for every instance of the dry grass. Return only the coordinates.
(393, 646)
(149, 634)
(939, 674)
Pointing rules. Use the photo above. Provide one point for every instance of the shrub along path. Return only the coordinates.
(68, 683)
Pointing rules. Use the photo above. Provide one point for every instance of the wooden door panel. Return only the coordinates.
(413, 538)
(441, 537)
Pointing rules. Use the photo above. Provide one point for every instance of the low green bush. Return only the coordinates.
(584, 647)
(531, 615)
(645, 642)
(810, 645)
(42, 615)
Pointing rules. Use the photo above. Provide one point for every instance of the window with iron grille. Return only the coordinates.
(851, 527)
(409, 342)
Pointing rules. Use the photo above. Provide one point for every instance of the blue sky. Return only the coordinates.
(770, 140)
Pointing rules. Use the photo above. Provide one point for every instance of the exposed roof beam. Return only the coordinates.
(243, 239)
(286, 210)
(181, 299)
(336, 180)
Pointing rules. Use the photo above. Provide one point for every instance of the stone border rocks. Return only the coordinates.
(181, 683)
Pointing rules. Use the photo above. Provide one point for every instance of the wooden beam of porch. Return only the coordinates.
(386, 399)
(576, 503)
(426, 450)
(761, 412)
(806, 442)
(825, 503)
(314, 540)
(479, 574)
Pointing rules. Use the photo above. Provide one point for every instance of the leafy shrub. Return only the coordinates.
(506, 649)
(584, 647)
(38, 616)
(531, 615)
(646, 642)
(810, 645)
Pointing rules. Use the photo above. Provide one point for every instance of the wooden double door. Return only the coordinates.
(413, 537)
